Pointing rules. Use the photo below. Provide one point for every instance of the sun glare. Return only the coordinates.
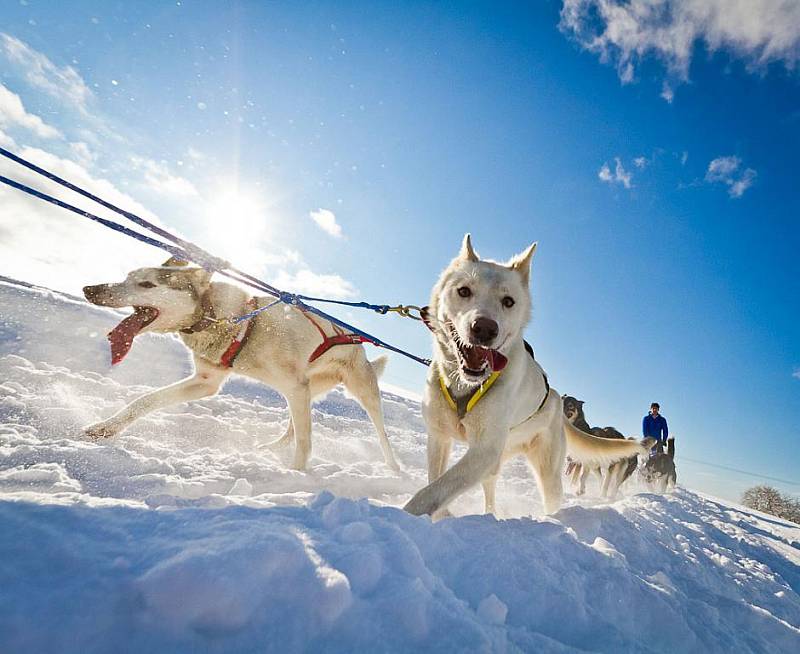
(237, 226)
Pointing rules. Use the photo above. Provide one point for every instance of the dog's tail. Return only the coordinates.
(593, 451)
(379, 365)
(671, 448)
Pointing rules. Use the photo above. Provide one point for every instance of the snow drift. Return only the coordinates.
(185, 535)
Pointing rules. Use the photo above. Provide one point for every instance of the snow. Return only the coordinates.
(185, 534)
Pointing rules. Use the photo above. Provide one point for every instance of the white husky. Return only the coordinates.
(282, 346)
(486, 388)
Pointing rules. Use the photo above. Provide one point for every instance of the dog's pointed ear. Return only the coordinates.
(522, 262)
(174, 262)
(467, 253)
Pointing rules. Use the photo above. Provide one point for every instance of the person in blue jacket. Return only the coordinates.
(655, 425)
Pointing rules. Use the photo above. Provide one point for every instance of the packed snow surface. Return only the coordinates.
(185, 534)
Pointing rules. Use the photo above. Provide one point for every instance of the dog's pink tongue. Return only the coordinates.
(497, 361)
(121, 337)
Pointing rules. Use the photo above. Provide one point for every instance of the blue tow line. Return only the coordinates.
(188, 251)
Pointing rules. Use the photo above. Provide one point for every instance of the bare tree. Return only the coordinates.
(769, 500)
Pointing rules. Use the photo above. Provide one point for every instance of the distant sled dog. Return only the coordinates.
(659, 472)
(282, 347)
(486, 388)
(612, 477)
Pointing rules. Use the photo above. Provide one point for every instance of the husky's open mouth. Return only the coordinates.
(476, 360)
(121, 337)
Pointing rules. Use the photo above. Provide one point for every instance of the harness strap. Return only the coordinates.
(229, 356)
(541, 404)
(339, 338)
(461, 407)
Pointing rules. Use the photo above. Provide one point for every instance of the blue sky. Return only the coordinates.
(659, 180)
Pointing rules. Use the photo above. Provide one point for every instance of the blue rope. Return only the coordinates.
(380, 308)
(187, 251)
(253, 314)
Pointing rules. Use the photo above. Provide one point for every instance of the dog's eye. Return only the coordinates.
(508, 301)
(464, 291)
(147, 284)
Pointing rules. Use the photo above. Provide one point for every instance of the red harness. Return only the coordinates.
(228, 357)
(339, 338)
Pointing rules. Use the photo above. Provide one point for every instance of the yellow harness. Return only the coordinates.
(474, 398)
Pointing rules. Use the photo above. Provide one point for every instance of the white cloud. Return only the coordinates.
(667, 92)
(326, 221)
(63, 83)
(194, 154)
(796, 373)
(728, 171)
(640, 162)
(13, 114)
(47, 245)
(624, 32)
(307, 282)
(158, 178)
(6, 141)
(619, 175)
(82, 153)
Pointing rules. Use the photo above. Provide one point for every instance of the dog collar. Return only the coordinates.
(464, 405)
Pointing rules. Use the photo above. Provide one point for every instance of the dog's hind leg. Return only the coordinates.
(299, 400)
(206, 381)
(318, 386)
(362, 382)
(585, 470)
(614, 479)
(607, 483)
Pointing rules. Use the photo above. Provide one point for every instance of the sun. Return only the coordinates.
(237, 225)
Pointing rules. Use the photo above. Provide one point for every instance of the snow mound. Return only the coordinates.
(185, 534)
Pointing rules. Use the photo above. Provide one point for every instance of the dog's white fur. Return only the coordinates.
(505, 422)
(276, 353)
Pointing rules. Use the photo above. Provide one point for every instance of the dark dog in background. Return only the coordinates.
(659, 471)
(613, 476)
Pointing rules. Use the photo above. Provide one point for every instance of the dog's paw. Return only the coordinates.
(278, 443)
(442, 514)
(394, 466)
(100, 431)
(421, 504)
(299, 465)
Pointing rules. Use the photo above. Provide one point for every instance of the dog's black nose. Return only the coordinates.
(483, 330)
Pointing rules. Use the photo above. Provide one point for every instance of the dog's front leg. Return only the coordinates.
(206, 381)
(481, 459)
(489, 487)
